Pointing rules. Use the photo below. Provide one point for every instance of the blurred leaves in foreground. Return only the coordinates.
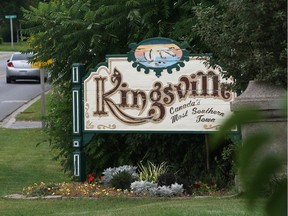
(262, 172)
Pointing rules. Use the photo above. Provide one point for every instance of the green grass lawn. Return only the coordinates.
(21, 46)
(127, 207)
(26, 158)
(33, 112)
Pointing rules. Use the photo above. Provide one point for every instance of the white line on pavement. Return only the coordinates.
(14, 101)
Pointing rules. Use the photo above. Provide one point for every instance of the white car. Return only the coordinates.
(18, 67)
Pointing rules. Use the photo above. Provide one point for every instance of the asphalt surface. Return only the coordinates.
(15, 95)
(10, 121)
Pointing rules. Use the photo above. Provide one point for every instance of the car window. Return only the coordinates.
(21, 56)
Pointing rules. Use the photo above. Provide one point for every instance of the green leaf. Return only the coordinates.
(241, 117)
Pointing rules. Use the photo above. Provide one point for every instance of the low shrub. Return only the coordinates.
(201, 189)
(166, 179)
(122, 180)
(109, 173)
(142, 187)
(187, 185)
(146, 187)
(167, 191)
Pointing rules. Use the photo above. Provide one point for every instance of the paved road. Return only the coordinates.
(14, 95)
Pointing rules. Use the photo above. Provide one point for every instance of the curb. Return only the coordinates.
(10, 121)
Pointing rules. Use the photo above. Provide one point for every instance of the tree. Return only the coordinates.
(85, 31)
(63, 31)
(247, 38)
(13, 8)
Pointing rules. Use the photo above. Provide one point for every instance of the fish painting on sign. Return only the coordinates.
(157, 54)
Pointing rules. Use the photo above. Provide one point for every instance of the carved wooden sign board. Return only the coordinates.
(157, 87)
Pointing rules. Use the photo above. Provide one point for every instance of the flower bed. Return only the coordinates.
(126, 181)
(74, 189)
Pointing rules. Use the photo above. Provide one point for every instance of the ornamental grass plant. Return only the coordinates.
(151, 171)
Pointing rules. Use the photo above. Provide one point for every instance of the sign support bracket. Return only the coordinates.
(79, 168)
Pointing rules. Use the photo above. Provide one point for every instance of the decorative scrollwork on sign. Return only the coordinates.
(206, 126)
(113, 126)
(89, 125)
(86, 110)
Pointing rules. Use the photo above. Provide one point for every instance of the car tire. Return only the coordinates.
(8, 80)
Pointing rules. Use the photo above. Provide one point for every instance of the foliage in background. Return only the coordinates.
(185, 154)
(59, 124)
(251, 45)
(85, 31)
(13, 8)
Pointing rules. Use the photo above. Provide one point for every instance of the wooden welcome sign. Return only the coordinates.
(157, 87)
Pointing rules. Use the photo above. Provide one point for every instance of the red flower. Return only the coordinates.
(90, 178)
(196, 185)
(101, 177)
